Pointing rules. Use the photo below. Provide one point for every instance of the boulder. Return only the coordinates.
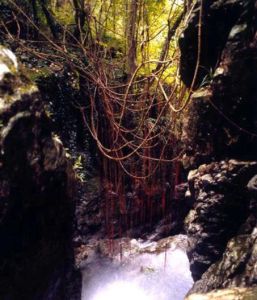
(222, 204)
(237, 264)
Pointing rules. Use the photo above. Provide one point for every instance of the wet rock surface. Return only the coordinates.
(36, 179)
(222, 205)
(237, 266)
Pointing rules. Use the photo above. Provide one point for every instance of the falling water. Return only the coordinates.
(145, 271)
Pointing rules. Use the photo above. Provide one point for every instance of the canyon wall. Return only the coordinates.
(219, 135)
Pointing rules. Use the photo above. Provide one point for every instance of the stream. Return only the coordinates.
(136, 270)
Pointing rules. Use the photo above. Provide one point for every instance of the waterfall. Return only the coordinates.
(147, 270)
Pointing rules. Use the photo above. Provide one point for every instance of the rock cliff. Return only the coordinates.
(219, 134)
(36, 211)
(220, 121)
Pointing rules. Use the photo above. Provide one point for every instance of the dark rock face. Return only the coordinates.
(221, 206)
(220, 124)
(218, 18)
(35, 190)
(220, 120)
(237, 266)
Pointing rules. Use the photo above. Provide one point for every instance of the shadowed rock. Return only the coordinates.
(35, 194)
(220, 121)
(222, 205)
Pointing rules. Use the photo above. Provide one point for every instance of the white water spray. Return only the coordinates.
(143, 274)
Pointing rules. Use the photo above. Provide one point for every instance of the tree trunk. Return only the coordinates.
(166, 45)
(80, 17)
(50, 19)
(35, 19)
(131, 37)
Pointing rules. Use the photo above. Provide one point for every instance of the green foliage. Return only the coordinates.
(78, 168)
(35, 73)
(78, 163)
(208, 78)
(64, 13)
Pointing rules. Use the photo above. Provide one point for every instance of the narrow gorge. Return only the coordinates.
(128, 150)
